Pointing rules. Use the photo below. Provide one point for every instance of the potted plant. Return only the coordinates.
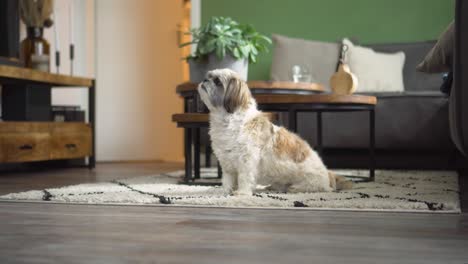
(224, 43)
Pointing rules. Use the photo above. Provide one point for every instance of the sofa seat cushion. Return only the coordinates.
(408, 120)
(406, 94)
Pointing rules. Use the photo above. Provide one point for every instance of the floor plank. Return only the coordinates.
(40, 233)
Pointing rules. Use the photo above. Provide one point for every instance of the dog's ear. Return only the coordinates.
(237, 95)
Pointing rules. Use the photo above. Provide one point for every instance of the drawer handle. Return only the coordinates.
(70, 146)
(26, 147)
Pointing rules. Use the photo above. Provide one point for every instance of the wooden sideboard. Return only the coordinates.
(35, 141)
(24, 141)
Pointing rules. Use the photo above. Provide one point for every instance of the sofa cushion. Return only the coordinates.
(403, 121)
(407, 94)
(440, 57)
(320, 57)
(415, 53)
(375, 71)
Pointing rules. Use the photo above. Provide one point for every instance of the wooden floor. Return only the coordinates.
(23, 181)
(57, 233)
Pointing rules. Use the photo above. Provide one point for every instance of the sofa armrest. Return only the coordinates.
(458, 108)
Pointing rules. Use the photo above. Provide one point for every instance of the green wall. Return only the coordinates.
(369, 21)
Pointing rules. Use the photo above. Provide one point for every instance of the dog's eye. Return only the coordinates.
(217, 81)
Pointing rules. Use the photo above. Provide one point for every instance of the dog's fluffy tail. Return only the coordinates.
(339, 182)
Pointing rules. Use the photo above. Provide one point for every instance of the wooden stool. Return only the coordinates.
(192, 122)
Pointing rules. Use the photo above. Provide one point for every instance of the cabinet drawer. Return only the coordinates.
(24, 127)
(24, 147)
(71, 145)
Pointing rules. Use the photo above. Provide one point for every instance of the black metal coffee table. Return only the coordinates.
(319, 103)
(276, 97)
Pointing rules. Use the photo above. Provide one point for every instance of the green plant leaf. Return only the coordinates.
(222, 35)
(266, 39)
(253, 50)
(236, 52)
(253, 58)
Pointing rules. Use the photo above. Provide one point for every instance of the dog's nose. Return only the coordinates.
(205, 80)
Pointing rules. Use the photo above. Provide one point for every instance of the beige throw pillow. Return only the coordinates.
(375, 71)
(321, 58)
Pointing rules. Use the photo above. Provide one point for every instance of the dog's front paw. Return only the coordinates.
(228, 190)
(242, 193)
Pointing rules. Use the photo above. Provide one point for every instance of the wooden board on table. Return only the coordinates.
(315, 98)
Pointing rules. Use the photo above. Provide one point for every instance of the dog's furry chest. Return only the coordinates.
(229, 141)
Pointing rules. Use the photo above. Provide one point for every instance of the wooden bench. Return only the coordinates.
(192, 122)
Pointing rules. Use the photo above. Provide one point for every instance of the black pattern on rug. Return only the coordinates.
(161, 198)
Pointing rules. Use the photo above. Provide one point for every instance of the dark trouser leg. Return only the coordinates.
(92, 122)
(188, 154)
(372, 145)
(197, 153)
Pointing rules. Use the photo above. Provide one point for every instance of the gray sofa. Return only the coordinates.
(412, 124)
(414, 119)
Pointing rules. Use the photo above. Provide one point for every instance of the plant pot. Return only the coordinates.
(199, 68)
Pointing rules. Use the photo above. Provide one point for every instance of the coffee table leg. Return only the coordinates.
(292, 118)
(208, 155)
(186, 105)
(188, 154)
(220, 171)
(319, 133)
(197, 153)
(372, 145)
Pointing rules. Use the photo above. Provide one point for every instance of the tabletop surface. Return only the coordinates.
(204, 117)
(265, 85)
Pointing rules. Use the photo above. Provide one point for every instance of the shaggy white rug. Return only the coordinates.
(430, 191)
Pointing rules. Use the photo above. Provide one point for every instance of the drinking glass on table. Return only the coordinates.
(300, 73)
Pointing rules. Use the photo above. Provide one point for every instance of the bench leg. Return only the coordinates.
(220, 171)
(197, 153)
(208, 155)
(188, 154)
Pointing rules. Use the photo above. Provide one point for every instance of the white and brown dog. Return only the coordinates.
(252, 150)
